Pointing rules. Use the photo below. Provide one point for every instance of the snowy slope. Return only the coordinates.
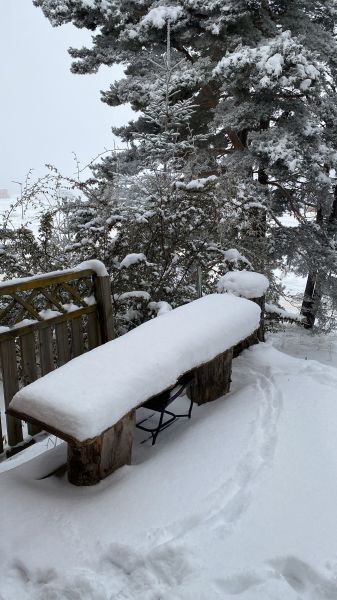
(240, 502)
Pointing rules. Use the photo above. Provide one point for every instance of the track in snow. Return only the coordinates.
(228, 502)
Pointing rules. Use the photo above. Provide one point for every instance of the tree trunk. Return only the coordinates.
(313, 292)
(311, 300)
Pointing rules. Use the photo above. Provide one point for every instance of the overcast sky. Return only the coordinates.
(46, 112)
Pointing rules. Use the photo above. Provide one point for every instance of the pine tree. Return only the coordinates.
(170, 225)
(261, 75)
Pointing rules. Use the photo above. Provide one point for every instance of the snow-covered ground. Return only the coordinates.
(238, 502)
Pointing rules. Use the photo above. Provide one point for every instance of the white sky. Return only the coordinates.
(46, 112)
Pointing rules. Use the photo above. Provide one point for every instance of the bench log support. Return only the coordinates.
(212, 379)
(261, 302)
(251, 340)
(257, 336)
(92, 461)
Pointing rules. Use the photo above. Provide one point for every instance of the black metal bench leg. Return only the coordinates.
(159, 404)
(155, 434)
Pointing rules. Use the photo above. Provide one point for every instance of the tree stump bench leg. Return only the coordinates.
(91, 462)
(212, 380)
(251, 340)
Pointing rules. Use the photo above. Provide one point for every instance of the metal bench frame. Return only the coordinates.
(159, 404)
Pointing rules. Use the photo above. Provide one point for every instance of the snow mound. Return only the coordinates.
(235, 257)
(132, 259)
(159, 16)
(243, 283)
(92, 392)
(161, 307)
(272, 309)
(141, 294)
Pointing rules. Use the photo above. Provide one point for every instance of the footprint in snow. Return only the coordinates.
(285, 578)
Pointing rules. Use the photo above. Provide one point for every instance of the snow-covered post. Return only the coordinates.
(102, 292)
(252, 286)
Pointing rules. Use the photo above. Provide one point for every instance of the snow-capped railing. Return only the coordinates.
(47, 320)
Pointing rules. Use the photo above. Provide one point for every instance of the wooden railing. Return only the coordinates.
(45, 321)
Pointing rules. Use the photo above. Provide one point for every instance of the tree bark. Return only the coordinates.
(310, 302)
(212, 379)
(313, 289)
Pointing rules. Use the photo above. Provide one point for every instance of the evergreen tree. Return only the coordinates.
(168, 222)
(261, 75)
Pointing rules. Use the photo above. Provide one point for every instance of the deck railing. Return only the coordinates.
(45, 321)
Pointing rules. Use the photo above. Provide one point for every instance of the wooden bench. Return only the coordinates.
(90, 402)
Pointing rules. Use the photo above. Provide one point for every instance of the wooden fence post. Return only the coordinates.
(11, 386)
(102, 290)
(29, 368)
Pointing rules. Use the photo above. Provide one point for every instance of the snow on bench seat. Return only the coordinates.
(91, 393)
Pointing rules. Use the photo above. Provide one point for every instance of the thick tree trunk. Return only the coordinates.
(311, 300)
(332, 222)
(256, 234)
(312, 293)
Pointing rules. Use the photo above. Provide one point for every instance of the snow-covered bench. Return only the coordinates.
(90, 402)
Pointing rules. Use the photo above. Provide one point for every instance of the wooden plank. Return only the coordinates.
(73, 293)
(102, 291)
(16, 449)
(29, 368)
(29, 309)
(44, 426)
(93, 332)
(11, 386)
(52, 300)
(23, 311)
(212, 379)
(42, 281)
(46, 350)
(90, 463)
(53, 430)
(19, 331)
(77, 341)
(62, 344)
